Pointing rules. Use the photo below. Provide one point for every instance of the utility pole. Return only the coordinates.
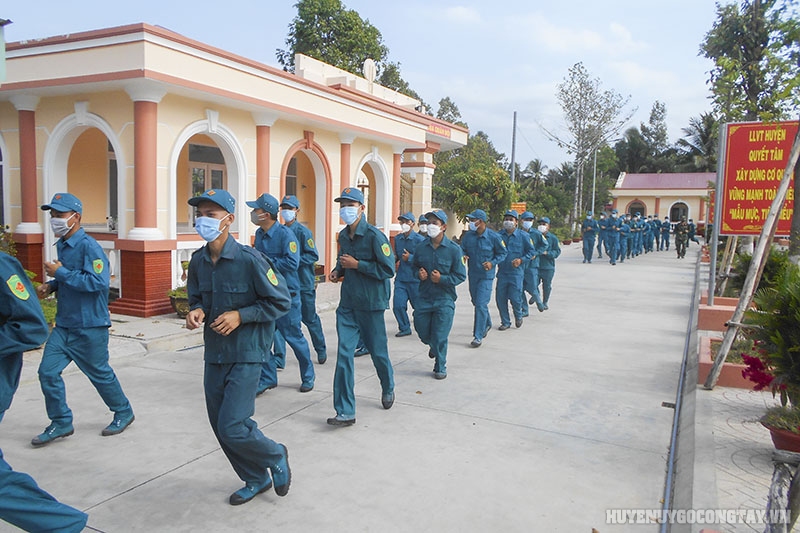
(513, 146)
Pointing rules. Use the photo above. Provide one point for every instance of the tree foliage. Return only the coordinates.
(756, 52)
(698, 147)
(473, 178)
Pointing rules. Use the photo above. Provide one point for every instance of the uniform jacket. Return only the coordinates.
(548, 261)
(540, 244)
(280, 245)
(519, 245)
(405, 270)
(366, 288)
(82, 283)
(244, 281)
(589, 227)
(22, 325)
(308, 256)
(487, 246)
(449, 261)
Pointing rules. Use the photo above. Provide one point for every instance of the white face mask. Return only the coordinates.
(423, 228)
(349, 214)
(542, 228)
(208, 227)
(472, 226)
(527, 224)
(404, 228)
(434, 231)
(288, 215)
(59, 225)
(509, 224)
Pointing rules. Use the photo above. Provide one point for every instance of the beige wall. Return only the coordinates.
(87, 172)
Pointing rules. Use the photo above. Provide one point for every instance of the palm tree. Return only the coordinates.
(533, 176)
(699, 146)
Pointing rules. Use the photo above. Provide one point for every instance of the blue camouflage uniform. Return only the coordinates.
(279, 244)
(363, 301)
(308, 282)
(509, 277)
(433, 316)
(81, 332)
(481, 248)
(406, 286)
(547, 264)
(666, 228)
(589, 229)
(22, 328)
(241, 280)
(530, 281)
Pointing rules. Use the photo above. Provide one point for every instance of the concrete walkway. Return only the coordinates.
(543, 428)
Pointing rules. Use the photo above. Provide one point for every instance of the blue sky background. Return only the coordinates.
(490, 57)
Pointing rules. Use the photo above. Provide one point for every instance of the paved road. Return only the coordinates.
(543, 428)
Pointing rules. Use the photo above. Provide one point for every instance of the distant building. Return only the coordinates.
(673, 195)
(136, 119)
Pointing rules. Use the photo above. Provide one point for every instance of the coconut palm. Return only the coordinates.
(699, 146)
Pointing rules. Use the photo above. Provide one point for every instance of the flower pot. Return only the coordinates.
(180, 305)
(784, 439)
(566, 241)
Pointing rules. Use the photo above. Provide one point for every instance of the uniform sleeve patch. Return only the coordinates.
(272, 277)
(97, 265)
(464, 260)
(18, 288)
(310, 243)
(293, 247)
(386, 249)
(503, 243)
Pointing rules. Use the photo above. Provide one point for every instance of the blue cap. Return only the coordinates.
(290, 200)
(438, 213)
(63, 202)
(638, 214)
(527, 215)
(478, 214)
(511, 213)
(351, 193)
(614, 212)
(423, 219)
(219, 196)
(267, 202)
(588, 213)
(407, 216)
(546, 220)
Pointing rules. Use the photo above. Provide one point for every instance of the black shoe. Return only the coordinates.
(307, 387)
(387, 400)
(361, 351)
(248, 492)
(518, 323)
(503, 327)
(118, 425)
(403, 333)
(321, 358)
(341, 422)
(262, 390)
(476, 342)
(431, 354)
(282, 474)
(532, 301)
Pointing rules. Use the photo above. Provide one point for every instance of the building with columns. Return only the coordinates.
(669, 194)
(136, 119)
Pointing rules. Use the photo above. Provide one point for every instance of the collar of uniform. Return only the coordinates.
(361, 228)
(228, 249)
(77, 236)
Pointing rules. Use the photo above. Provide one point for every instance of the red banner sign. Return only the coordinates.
(756, 154)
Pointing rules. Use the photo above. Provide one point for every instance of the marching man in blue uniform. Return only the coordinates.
(406, 286)
(364, 266)
(236, 296)
(589, 229)
(80, 277)
(547, 261)
(484, 250)
(440, 268)
(530, 281)
(279, 244)
(23, 328)
(511, 271)
(309, 256)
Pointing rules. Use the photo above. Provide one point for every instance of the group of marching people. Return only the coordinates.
(627, 236)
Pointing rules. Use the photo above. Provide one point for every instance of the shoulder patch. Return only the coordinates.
(97, 265)
(293, 247)
(18, 288)
(310, 243)
(272, 277)
(503, 243)
(386, 249)
(464, 260)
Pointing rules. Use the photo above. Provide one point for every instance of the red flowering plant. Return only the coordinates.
(774, 327)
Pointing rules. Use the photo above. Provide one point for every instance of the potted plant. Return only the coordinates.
(178, 296)
(774, 326)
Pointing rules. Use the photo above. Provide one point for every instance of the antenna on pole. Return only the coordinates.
(513, 146)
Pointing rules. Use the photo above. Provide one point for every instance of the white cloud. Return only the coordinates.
(462, 15)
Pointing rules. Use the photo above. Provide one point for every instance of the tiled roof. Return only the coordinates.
(693, 180)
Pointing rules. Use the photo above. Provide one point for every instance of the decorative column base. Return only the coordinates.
(30, 253)
(145, 278)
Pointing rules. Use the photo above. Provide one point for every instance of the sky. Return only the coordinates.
(491, 58)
